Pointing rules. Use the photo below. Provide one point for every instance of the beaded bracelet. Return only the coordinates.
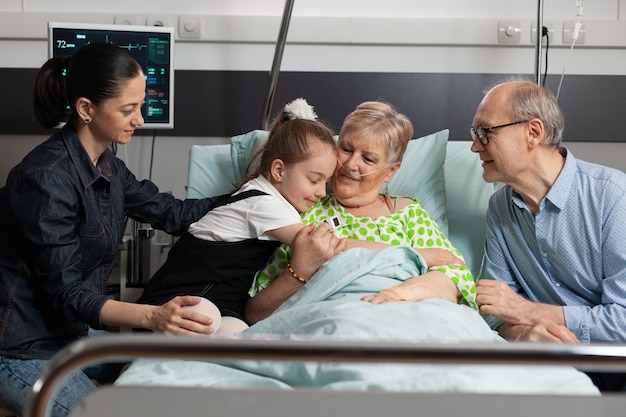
(296, 276)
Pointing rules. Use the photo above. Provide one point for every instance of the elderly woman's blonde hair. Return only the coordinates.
(380, 121)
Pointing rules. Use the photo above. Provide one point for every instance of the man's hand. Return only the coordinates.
(524, 320)
(496, 298)
(543, 331)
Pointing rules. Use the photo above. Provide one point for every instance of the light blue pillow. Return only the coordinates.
(210, 171)
(420, 176)
(243, 148)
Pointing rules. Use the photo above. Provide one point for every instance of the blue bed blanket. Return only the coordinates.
(329, 307)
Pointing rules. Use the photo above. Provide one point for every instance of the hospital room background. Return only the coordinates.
(432, 60)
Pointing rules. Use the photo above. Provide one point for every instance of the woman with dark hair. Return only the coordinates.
(63, 213)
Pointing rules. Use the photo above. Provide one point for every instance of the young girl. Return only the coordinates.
(219, 256)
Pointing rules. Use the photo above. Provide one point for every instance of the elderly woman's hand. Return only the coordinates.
(432, 284)
(437, 256)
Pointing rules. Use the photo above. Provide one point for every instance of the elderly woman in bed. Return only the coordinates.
(372, 141)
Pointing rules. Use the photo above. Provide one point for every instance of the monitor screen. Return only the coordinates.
(151, 46)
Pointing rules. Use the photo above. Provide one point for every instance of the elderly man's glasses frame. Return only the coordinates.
(481, 132)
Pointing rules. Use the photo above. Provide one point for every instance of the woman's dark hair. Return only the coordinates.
(96, 71)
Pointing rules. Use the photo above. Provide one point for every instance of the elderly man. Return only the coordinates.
(556, 232)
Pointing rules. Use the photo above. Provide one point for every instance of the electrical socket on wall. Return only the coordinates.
(126, 19)
(568, 33)
(509, 31)
(551, 33)
(190, 27)
(158, 20)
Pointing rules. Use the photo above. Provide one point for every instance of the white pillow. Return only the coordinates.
(420, 176)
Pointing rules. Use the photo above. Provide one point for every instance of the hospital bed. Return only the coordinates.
(446, 177)
(150, 401)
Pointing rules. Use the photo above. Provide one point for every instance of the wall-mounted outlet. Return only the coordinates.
(569, 31)
(509, 31)
(126, 19)
(551, 34)
(158, 20)
(190, 27)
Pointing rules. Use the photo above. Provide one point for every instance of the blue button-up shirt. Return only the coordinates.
(62, 221)
(572, 253)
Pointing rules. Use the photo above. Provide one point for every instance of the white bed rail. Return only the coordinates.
(611, 358)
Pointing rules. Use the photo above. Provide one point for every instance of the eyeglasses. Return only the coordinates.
(481, 132)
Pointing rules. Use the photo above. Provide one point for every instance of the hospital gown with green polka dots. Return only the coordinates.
(412, 226)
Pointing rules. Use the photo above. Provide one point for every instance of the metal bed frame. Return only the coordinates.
(608, 358)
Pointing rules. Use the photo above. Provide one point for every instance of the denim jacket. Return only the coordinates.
(62, 222)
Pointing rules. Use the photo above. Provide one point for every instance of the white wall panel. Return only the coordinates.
(521, 9)
(349, 44)
(27, 53)
(453, 59)
(11, 5)
(445, 31)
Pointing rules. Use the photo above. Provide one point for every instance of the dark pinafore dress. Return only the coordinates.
(221, 272)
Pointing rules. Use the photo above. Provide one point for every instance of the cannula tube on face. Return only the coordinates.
(354, 174)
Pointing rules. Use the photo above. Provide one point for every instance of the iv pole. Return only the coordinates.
(278, 56)
(539, 41)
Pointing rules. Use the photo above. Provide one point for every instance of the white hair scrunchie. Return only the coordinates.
(300, 109)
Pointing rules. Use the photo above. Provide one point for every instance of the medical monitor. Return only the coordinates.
(151, 46)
